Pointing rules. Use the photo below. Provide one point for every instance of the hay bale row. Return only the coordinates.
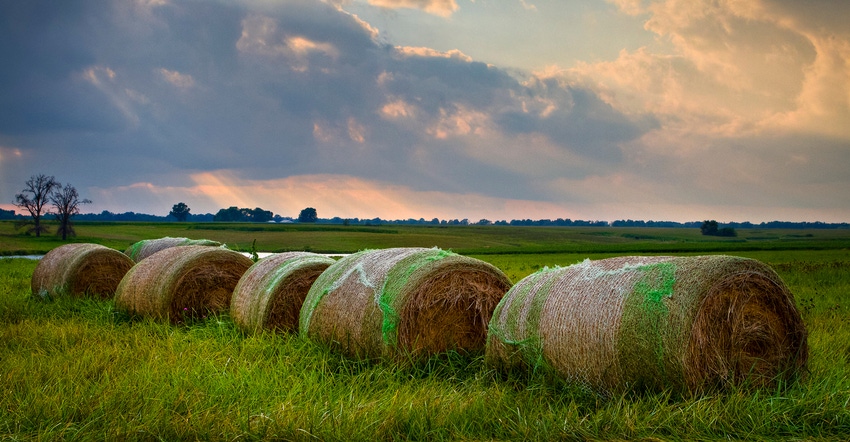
(270, 294)
(403, 302)
(147, 247)
(181, 283)
(79, 270)
(686, 323)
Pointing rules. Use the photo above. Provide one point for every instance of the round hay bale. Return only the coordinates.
(403, 302)
(79, 269)
(181, 283)
(685, 323)
(147, 247)
(270, 294)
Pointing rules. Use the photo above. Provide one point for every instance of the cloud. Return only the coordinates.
(213, 102)
(443, 8)
(262, 36)
(732, 68)
(178, 80)
(8, 153)
(528, 6)
(410, 51)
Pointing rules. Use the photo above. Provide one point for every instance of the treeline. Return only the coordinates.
(459, 222)
(132, 216)
(233, 214)
(735, 225)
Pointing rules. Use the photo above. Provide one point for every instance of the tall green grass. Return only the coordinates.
(75, 369)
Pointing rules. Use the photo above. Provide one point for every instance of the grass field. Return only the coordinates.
(461, 239)
(77, 370)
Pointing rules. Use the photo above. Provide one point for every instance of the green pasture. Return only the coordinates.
(479, 240)
(75, 369)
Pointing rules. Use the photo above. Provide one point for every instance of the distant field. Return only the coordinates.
(477, 240)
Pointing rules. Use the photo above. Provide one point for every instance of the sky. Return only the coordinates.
(681, 110)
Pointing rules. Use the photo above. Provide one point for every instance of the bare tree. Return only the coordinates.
(34, 198)
(67, 202)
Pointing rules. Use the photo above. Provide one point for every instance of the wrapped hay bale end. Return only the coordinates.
(270, 294)
(179, 283)
(147, 247)
(687, 323)
(79, 269)
(403, 301)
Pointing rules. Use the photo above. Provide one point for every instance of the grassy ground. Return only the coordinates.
(75, 369)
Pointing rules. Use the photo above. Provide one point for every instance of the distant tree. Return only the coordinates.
(712, 228)
(7, 214)
(484, 222)
(34, 198)
(308, 215)
(235, 214)
(259, 215)
(67, 202)
(709, 227)
(180, 211)
(230, 214)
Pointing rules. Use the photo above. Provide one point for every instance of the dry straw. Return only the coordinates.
(147, 247)
(270, 294)
(79, 269)
(687, 323)
(180, 283)
(403, 302)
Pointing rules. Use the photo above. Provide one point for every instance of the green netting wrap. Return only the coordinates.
(181, 283)
(403, 301)
(685, 323)
(147, 247)
(270, 294)
(79, 269)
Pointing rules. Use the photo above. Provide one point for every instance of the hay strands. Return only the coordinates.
(686, 323)
(270, 294)
(403, 303)
(79, 269)
(181, 283)
(147, 247)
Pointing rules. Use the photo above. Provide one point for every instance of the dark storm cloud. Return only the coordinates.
(581, 122)
(264, 89)
(40, 44)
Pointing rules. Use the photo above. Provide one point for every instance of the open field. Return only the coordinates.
(75, 369)
(461, 239)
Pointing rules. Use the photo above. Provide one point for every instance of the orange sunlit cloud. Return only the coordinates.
(410, 51)
(344, 196)
(9, 153)
(182, 81)
(443, 8)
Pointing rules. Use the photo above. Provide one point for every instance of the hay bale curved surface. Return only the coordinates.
(180, 283)
(270, 294)
(689, 323)
(147, 247)
(79, 269)
(403, 302)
